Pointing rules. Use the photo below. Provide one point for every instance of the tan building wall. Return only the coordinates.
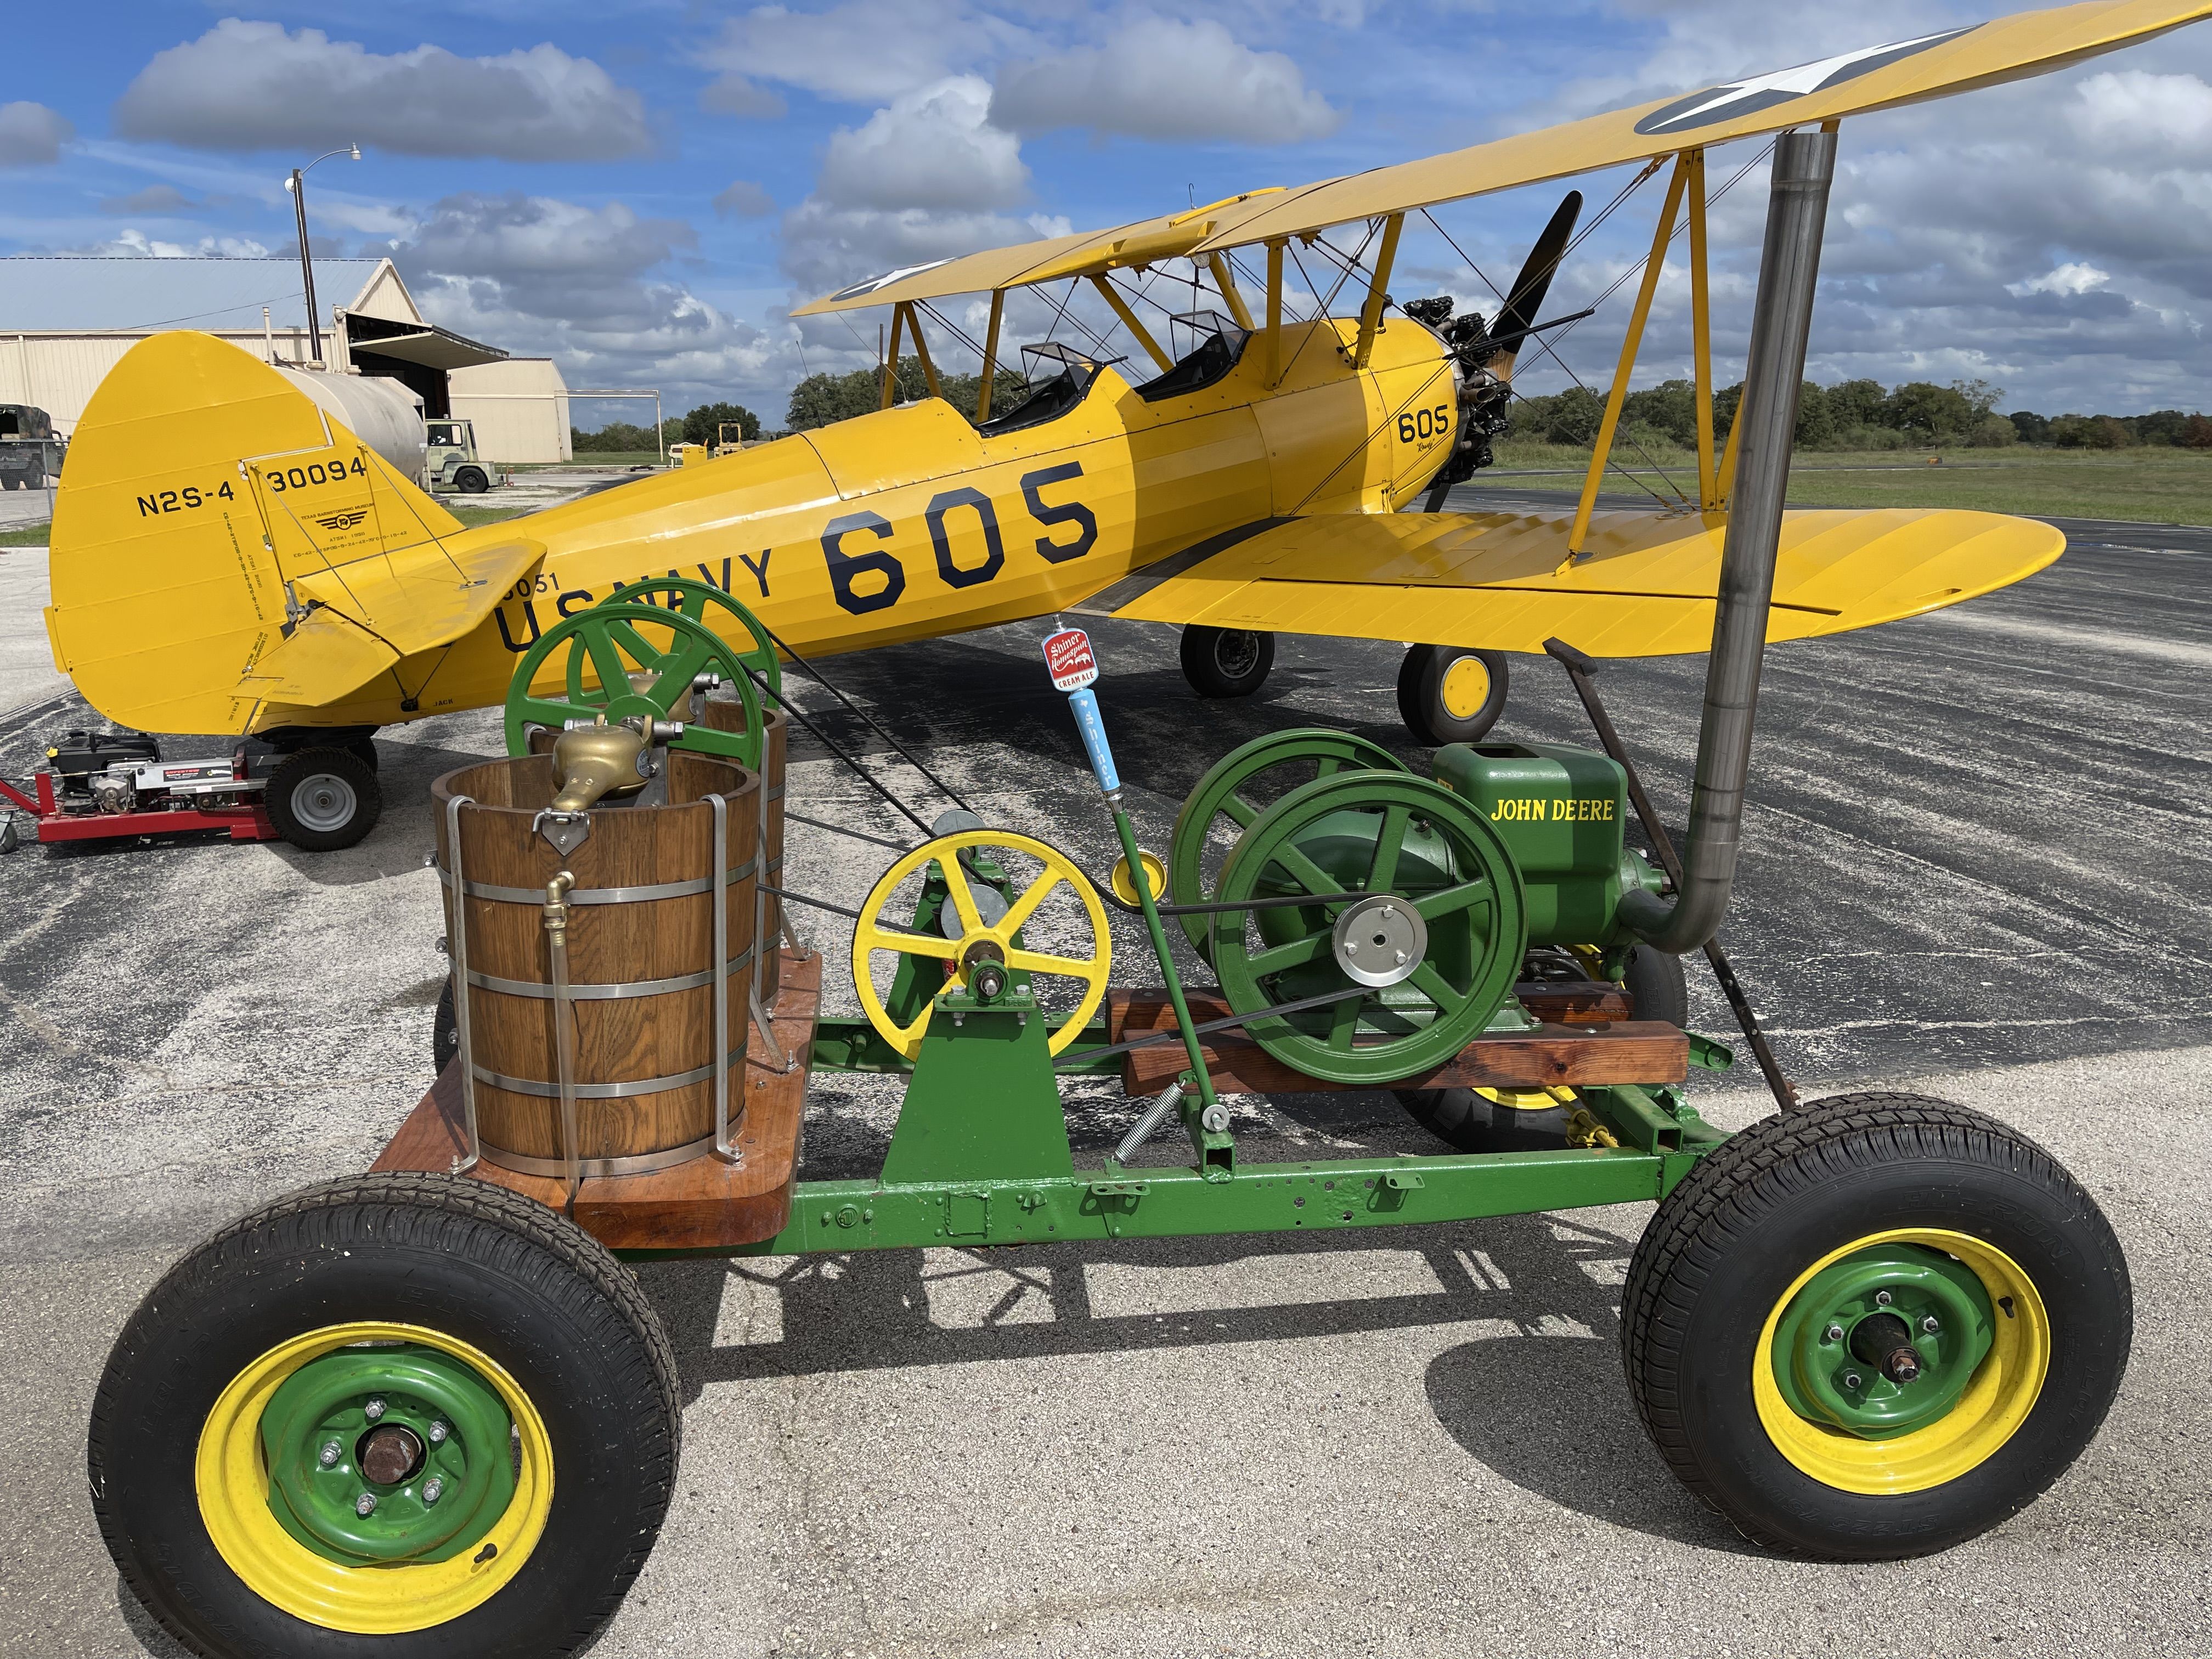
(520, 408)
(58, 373)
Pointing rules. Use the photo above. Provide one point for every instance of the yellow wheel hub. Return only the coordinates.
(1466, 687)
(232, 1475)
(871, 935)
(1994, 1403)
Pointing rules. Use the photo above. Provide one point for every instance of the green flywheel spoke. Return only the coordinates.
(1344, 1023)
(1467, 896)
(1437, 987)
(1389, 843)
(1238, 811)
(1296, 954)
(1304, 872)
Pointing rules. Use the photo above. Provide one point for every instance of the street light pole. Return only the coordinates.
(298, 186)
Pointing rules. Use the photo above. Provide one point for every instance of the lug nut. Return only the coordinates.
(331, 1453)
(438, 1432)
(432, 1490)
(1881, 1299)
(373, 1410)
(365, 1505)
(1931, 1325)
(1851, 1379)
(1834, 1333)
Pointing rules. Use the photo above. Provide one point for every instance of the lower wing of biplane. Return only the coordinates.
(1644, 585)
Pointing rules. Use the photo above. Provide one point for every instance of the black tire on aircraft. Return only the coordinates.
(1448, 694)
(1226, 662)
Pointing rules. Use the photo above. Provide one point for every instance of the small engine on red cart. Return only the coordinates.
(100, 786)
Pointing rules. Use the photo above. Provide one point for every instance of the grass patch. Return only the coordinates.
(26, 535)
(2141, 486)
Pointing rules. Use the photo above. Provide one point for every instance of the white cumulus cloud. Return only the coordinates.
(251, 86)
(932, 148)
(1158, 78)
(864, 52)
(2070, 278)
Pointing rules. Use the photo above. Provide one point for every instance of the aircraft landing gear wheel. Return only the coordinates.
(1226, 662)
(1448, 694)
(1492, 1120)
(322, 799)
(393, 1416)
(1874, 1327)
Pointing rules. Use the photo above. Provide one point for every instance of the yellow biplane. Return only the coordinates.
(226, 558)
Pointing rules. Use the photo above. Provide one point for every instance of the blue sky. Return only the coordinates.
(642, 192)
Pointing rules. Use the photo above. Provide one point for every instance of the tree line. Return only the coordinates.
(702, 425)
(1857, 415)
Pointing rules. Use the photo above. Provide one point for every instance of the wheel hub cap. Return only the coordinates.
(427, 1474)
(1855, 1350)
(324, 802)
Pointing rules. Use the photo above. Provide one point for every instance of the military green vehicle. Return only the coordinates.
(29, 452)
(451, 461)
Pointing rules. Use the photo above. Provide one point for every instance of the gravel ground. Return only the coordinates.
(1976, 857)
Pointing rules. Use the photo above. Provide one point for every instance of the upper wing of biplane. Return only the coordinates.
(1645, 586)
(1879, 77)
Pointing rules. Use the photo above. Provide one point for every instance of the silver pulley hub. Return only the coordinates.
(1380, 940)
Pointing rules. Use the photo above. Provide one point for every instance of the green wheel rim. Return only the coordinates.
(607, 640)
(1939, 1306)
(699, 601)
(1220, 794)
(1477, 928)
(441, 1478)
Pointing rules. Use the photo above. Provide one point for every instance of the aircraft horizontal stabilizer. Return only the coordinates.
(1645, 586)
(364, 617)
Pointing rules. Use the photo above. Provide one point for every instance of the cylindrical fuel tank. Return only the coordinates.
(378, 410)
(639, 947)
(724, 713)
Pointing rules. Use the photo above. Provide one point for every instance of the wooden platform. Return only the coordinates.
(1558, 1054)
(702, 1204)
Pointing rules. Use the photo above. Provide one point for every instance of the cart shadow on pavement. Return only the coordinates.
(1535, 1395)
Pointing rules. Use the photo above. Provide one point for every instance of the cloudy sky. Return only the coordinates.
(643, 191)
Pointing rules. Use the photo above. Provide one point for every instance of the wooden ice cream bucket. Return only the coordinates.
(640, 939)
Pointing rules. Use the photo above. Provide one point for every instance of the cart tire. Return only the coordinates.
(471, 481)
(322, 799)
(1656, 987)
(480, 1281)
(1489, 1120)
(1450, 694)
(445, 1031)
(1226, 662)
(364, 751)
(1781, 1235)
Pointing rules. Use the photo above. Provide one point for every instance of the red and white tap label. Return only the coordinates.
(1068, 658)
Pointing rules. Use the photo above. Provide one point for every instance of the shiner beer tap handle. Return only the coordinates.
(1073, 667)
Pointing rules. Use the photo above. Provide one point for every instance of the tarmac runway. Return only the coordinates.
(1976, 853)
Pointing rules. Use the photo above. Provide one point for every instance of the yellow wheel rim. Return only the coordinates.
(871, 935)
(1466, 687)
(233, 1482)
(1996, 1401)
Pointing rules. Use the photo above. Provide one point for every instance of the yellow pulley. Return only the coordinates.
(871, 934)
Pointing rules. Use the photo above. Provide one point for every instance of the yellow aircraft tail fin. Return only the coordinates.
(221, 545)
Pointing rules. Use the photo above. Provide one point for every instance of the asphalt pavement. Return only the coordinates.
(1976, 857)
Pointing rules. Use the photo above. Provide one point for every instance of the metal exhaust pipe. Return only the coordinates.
(1789, 268)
